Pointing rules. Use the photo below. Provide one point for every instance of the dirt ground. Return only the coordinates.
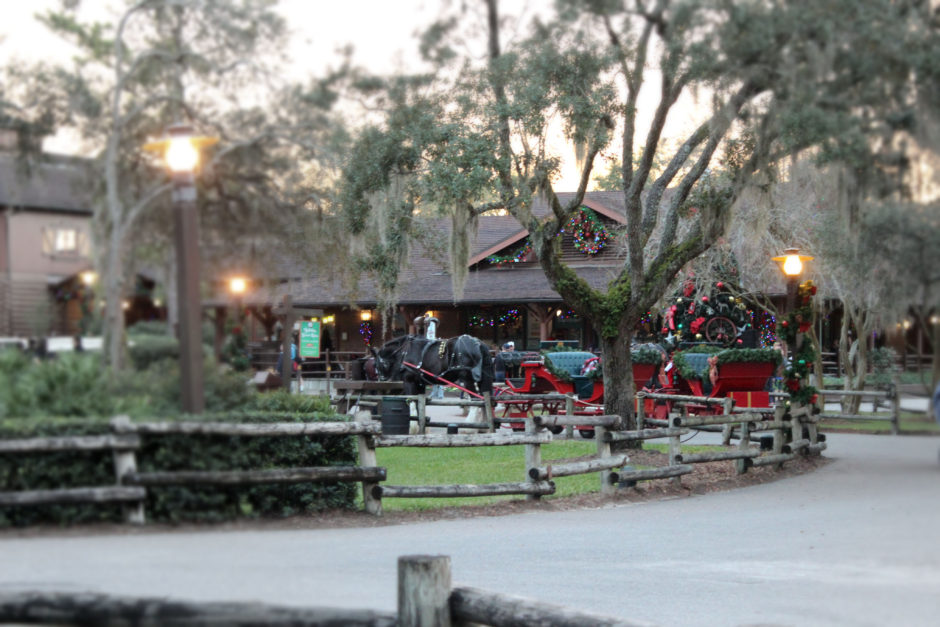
(706, 478)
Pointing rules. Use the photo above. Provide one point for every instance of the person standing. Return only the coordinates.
(504, 361)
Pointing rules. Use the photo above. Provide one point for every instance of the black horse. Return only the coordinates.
(463, 360)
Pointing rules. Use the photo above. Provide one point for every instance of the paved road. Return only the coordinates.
(856, 543)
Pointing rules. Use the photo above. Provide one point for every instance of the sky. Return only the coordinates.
(383, 33)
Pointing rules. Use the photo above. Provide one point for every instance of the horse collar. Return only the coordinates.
(424, 351)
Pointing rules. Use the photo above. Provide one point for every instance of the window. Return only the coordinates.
(64, 241)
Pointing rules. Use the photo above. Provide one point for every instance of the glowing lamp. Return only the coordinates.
(237, 285)
(181, 148)
(792, 261)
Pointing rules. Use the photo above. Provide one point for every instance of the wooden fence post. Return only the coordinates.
(796, 426)
(727, 406)
(424, 585)
(488, 412)
(675, 448)
(421, 404)
(639, 405)
(126, 462)
(372, 504)
(603, 452)
(569, 411)
(533, 457)
(741, 465)
(779, 412)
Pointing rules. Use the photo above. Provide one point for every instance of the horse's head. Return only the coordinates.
(388, 358)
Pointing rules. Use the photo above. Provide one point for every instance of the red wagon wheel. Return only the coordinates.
(721, 330)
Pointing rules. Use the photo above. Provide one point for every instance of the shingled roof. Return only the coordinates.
(426, 281)
(57, 183)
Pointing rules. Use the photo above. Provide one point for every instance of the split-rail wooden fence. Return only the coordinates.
(793, 428)
(888, 397)
(794, 432)
(426, 596)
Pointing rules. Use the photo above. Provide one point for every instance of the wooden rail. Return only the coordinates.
(130, 486)
(425, 596)
(794, 433)
(119, 445)
(887, 395)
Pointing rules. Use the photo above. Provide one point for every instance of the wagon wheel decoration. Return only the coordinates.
(721, 330)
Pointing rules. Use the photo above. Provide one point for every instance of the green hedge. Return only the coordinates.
(177, 452)
(146, 350)
(46, 471)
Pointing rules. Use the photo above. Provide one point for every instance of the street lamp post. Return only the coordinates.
(237, 286)
(791, 262)
(181, 153)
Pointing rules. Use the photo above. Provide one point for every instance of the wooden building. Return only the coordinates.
(506, 295)
(45, 243)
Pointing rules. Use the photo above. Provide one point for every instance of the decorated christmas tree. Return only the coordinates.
(718, 317)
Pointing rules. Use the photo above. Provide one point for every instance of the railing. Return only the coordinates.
(794, 431)
(538, 480)
(120, 445)
(426, 596)
(131, 486)
(330, 365)
(890, 397)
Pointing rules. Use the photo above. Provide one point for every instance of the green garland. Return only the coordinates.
(589, 233)
(686, 369)
(647, 355)
(796, 323)
(643, 355)
(750, 355)
(724, 356)
(516, 256)
(558, 373)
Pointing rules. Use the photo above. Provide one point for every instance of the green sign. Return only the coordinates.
(309, 339)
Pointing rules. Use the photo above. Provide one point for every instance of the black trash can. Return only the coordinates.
(396, 417)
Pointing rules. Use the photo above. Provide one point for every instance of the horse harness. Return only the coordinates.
(418, 370)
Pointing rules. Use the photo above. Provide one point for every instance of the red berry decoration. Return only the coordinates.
(784, 324)
(720, 285)
(704, 299)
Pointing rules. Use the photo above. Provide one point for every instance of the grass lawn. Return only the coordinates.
(909, 422)
(485, 464)
(476, 465)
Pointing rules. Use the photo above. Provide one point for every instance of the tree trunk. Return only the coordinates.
(854, 357)
(619, 390)
(113, 328)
